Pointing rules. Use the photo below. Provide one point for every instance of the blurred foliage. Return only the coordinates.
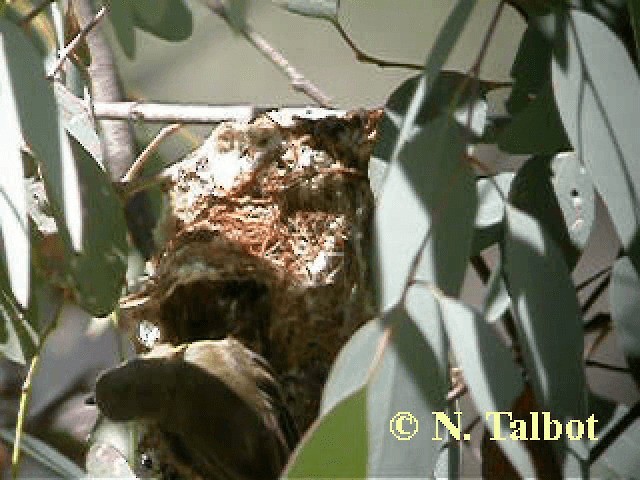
(573, 108)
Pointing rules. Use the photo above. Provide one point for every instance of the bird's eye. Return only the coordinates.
(146, 461)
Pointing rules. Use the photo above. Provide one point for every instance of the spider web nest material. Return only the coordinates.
(266, 239)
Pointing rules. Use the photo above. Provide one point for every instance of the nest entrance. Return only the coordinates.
(216, 309)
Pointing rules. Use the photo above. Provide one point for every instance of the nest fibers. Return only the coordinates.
(266, 239)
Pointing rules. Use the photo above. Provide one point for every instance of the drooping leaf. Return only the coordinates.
(624, 298)
(428, 190)
(545, 303)
(336, 445)
(36, 106)
(170, 20)
(444, 43)
(615, 453)
(18, 341)
(14, 231)
(121, 17)
(77, 120)
(411, 378)
(634, 16)
(493, 379)
(558, 193)
(491, 193)
(325, 9)
(44, 454)
(98, 272)
(599, 110)
(496, 300)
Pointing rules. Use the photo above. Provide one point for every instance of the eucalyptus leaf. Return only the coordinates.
(170, 20)
(492, 193)
(599, 110)
(37, 111)
(558, 193)
(18, 341)
(43, 453)
(121, 17)
(325, 9)
(98, 272)
(624, 297)
(336, 445)
(14, 231)
(496, 300)
(545, 302)
(634, 16)
(428, 190)
(492, 377)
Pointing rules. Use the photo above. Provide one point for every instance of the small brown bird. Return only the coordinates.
(216, 403)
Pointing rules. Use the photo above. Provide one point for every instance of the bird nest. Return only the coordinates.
(266, 239)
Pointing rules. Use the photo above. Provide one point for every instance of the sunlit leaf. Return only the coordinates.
(597, 90)
(489, 371)
(545, 303)
(430, 190)
(624, 298)
(496, 300)
(492, 193)
(14, 231)
(104, 461)
(559, 194)
(326, 9)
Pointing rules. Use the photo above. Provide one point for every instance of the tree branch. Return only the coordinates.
(298, 81)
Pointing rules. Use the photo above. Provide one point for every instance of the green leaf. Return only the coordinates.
(98, 272)
(545, 303)
(491, 193)
(121, 17)
(411, 377)
(429, 190)
(325, 9)
(77, 120)
(558, 193)
(170, 20)
(14, 230)
(493, 379)
(37, 110)
(43, 453)
(536, 129)
(616, 452)
(444, 43)
(336, 445)
(18, 341)
(496, 300)
(597, 90)
(349, 372)
(624, 298)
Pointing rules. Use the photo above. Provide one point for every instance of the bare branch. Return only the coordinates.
(196, 114)
(297, 80)
(366, 58)
(73, 44)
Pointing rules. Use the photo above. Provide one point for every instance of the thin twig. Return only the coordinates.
(25, 397)
(606, 366)
(73, 44)
(34, 13)
(595, 295)
(592, 278)
(137, 166)
(456, 392)
(297, 80)
(602, 335)
(366, 58)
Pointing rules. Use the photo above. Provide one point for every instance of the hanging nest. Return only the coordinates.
(266, 239)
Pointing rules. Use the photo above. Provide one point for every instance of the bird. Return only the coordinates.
(216, 405)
